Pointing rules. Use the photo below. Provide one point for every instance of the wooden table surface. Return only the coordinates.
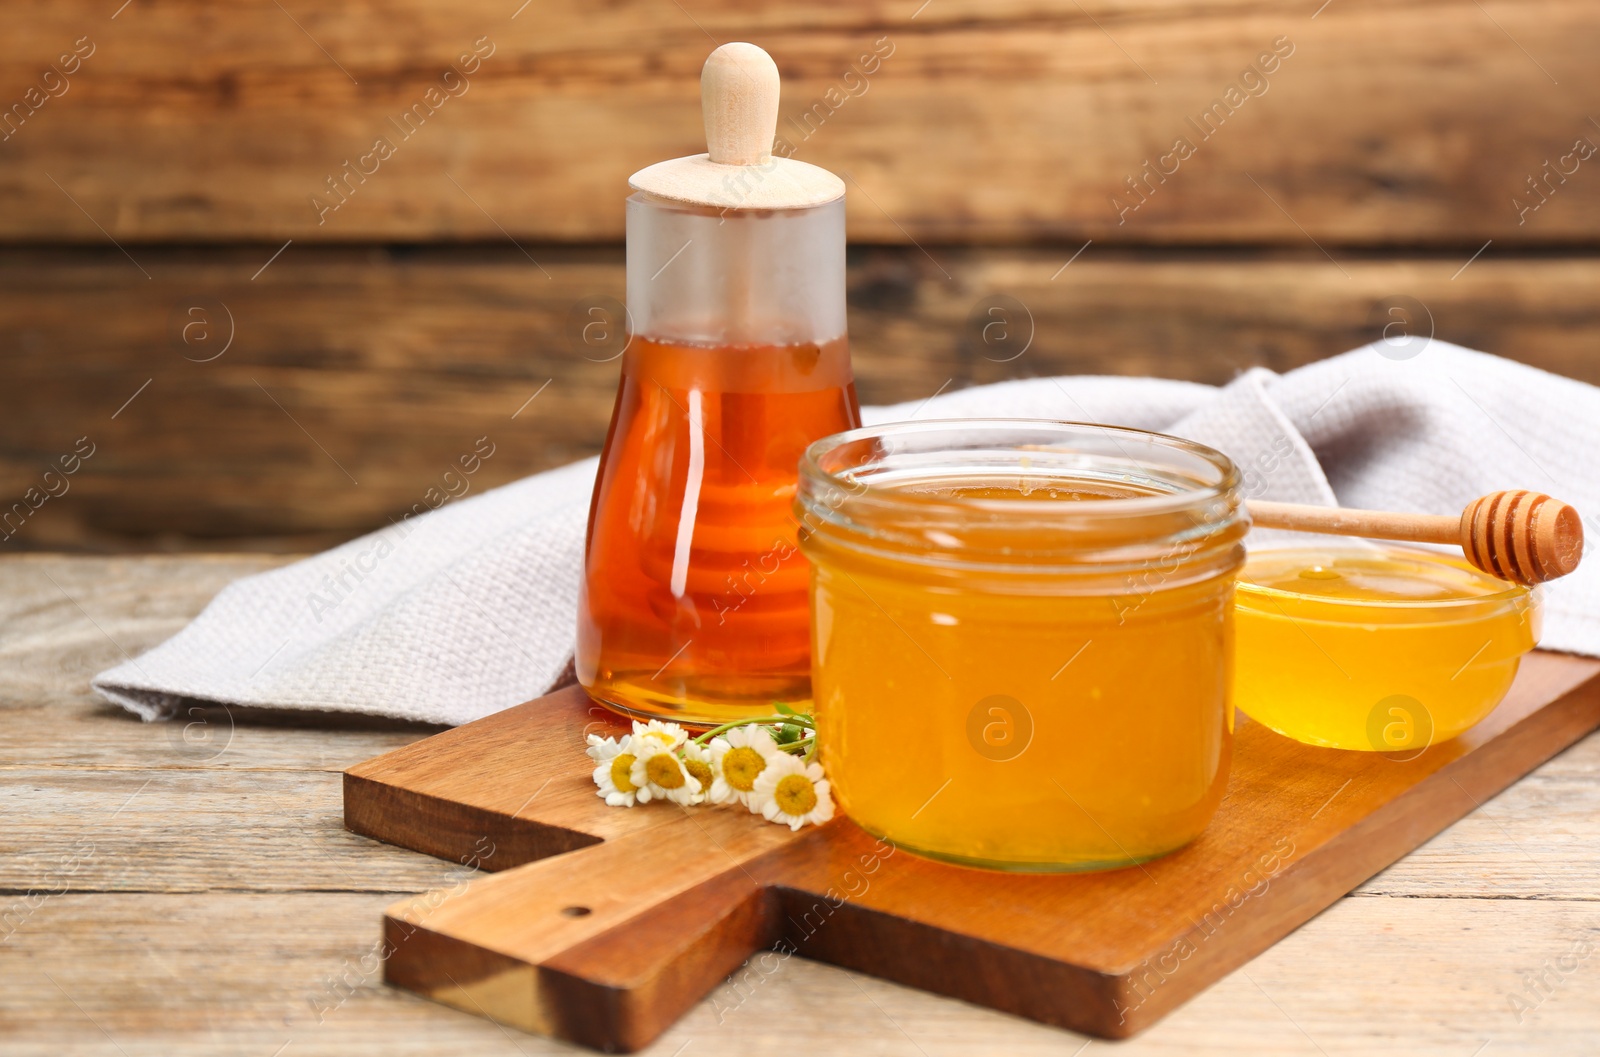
(188, 888)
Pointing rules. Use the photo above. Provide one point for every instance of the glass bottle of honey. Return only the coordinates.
(693, 605)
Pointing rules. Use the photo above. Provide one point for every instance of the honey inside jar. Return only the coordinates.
(1376, 649)
(1022, 645)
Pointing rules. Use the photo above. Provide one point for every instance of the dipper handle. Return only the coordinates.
(1521, 536)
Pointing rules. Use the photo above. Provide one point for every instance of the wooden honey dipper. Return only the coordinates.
(1521, 536)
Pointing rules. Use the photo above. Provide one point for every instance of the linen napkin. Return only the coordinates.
(462, 611)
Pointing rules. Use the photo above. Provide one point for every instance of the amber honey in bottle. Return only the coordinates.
(694, 599)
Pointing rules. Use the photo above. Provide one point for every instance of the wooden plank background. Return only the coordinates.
(1019, 120)
(160, 160)
(356, 377)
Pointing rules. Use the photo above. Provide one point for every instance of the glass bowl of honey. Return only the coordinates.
(1377, 648)
(1022, 637)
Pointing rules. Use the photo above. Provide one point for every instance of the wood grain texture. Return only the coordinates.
(356, 378)
(1422, 961)
(147, 830)
(1389, 123)
(189, 976)
(608, 944)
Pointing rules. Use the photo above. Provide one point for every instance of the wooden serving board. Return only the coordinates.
(603, 925)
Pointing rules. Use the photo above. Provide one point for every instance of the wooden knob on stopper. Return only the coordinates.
(1522, 536)
(739, 102)
(739, 172)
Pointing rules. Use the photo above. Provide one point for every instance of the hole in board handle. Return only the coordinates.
(577, 912)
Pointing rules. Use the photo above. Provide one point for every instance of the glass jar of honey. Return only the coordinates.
(693, 605)
(1022, 637)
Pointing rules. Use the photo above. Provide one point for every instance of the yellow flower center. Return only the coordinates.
(741, 766)
(662, 769)
(700, 771)
(659, 735)
(621, 765)
(795, 795)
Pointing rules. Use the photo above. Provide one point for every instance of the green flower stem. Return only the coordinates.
(796, 720)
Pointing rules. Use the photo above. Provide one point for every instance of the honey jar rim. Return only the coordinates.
(1194, 519)
(1228, 473)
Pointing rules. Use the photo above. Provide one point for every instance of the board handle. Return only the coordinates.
(1521, 536)
(605, 946)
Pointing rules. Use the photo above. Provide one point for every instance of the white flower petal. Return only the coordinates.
(604, 751)
(699, 754)
(670, 735)
(766, 787)
(647, 751)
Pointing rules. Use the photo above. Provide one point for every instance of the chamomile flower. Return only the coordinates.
(791, 791)
(613, 771)
(669, 734)
(697, 761)
(659, 774)
(738, 758)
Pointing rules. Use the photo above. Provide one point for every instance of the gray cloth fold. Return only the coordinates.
(471, 608)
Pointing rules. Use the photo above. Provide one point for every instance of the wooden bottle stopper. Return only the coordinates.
(1521, 536)
(739, 106)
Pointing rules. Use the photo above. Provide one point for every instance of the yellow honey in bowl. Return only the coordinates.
(1022, 639)
(1376, 649)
